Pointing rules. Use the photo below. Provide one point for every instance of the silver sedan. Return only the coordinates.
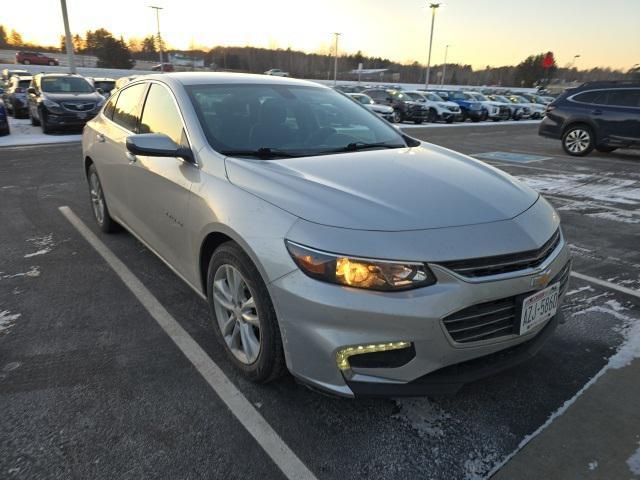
(326, 241)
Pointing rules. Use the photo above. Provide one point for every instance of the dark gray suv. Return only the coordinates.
(62, 101)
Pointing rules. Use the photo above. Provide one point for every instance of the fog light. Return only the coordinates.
(342, 356)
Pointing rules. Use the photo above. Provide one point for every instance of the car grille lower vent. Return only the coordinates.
(483, 267)
(78, 107)
(492, 319)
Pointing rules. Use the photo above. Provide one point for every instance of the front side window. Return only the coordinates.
(161, 115)
(110, 107)
(65, 85)
(127, 106)
(294, 120)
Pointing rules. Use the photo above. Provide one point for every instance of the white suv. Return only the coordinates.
(495, 111)
(439, 109)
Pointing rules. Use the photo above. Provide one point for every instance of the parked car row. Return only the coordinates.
(54, 101)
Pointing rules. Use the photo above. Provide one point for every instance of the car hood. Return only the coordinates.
(74, 97)
(386, 190)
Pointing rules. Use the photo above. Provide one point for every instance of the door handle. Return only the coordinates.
(597, 112)
(131, 157)
(100, 138)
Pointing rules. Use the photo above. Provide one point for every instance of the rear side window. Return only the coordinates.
(127, 106)
(593, 96)
(623, 98)
(161, 115)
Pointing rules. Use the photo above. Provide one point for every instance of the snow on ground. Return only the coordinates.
(23, 133)
(466, 124)
(591, 193)
(634, 462)
(32, 272)
(44, 245)
(7, 320)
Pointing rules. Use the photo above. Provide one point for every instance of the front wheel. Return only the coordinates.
(46, 126)
(432, 116)
(577, 141)
(98, 203)
(52, 64)
(26, 62)
(397, 116)
(244, 317)
(5, 131)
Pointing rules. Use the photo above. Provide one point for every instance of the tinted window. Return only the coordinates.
(623, 98)
(594, 96)
(128, 106)
(110, 107)
(65, 85)
(161, 115)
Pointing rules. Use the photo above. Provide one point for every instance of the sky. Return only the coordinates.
(480, 32)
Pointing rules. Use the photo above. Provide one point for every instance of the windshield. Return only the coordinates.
(364, 99)
(520, 100)
(456, 96)
(479, 96)
(433, 97)
(500, 98)
(400, 96)
(415, 96)
(24, 83)
(286, 120)
(66, 85)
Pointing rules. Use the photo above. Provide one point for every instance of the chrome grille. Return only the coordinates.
(492, 319)
(482, 267)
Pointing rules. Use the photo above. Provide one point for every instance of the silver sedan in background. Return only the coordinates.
(326, 241)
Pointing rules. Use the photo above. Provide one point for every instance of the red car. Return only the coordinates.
(166, 67)
(35, 58)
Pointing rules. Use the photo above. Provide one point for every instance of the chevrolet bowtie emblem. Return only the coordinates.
(541, 280)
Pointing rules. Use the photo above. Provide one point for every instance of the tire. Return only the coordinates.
(475, 119)
(463, 117)
(397, 116)
(418, 121)
(46, 127)
(52, 64)
(449, 120)
(5, 131)
(432, 116)
(227, 262)
(605, 149)
(578, 140)
(98, 202)
(26, 62)
(496, 119)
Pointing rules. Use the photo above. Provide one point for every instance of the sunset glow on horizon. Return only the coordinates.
(480, 32)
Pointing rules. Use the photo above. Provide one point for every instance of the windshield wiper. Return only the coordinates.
(262, 152)
(355, 146)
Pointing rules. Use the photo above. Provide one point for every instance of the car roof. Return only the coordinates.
(608, 84)
(200, 78)
(103, 79)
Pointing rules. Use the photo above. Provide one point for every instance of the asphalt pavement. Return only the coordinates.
(92, 387)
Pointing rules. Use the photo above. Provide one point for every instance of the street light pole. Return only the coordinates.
(157, 9)
(335, 62)
(444, 68)
(573, 63)
(433, 6)
(67, 37)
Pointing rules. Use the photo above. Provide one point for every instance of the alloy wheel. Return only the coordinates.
(97, 198)
(236, 313)
(577, 141)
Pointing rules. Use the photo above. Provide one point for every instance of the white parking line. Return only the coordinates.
(242, 409)
(604, 283)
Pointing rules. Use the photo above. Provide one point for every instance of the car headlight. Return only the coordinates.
(372, 274)
(50, 103)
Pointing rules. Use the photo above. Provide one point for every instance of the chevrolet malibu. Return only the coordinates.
(326, 241)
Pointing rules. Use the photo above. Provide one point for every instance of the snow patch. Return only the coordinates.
(581, 289)
(23, 133)
(425, 417)
(44, 243)
(7, 320)
(593, 465)
(617, 216)
(634, 462)
(32, 272)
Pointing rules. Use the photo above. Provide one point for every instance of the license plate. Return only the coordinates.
(539, 307)
(82, 115)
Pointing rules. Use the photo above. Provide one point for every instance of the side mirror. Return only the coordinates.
(157, 145)
(100, 91)
(31, 90)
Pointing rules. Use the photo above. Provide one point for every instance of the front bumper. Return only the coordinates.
(70, 119)
(319, 319)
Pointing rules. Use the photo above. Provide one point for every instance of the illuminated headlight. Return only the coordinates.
(342, 355)
(50, 103)
(372, 274)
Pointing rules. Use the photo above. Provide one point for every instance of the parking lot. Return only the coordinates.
(91, 386)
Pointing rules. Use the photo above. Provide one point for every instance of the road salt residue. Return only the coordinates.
(634, 462)
(44, 245)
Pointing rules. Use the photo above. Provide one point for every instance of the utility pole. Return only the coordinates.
(335, 62)
(433, 6)
(157, 9)
(67, 38)
(444, 68)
